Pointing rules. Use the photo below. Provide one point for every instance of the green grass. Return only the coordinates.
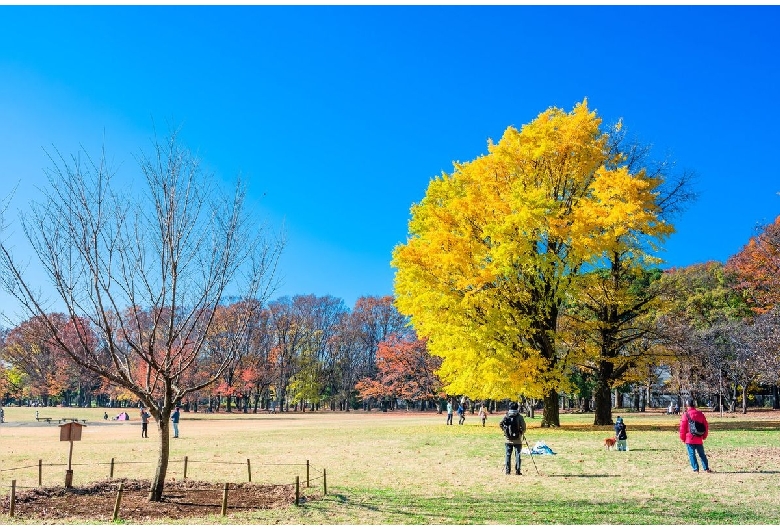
(399, 468)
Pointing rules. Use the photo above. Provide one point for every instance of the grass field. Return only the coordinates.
(410, 468)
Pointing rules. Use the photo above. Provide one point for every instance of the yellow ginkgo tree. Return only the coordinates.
(494, 248)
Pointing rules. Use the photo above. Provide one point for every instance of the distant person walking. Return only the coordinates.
(461, 414)
(144, 423)
(694, 442)
(620, 435)
(513, 426)
(175, 421)
(449, 412)
(482, 413)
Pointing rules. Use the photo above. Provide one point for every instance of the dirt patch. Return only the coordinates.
(96, 501)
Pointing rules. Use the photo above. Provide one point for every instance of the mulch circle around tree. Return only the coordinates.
(96, 501)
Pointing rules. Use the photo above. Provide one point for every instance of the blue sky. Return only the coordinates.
(337, 117)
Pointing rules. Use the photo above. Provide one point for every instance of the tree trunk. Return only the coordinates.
(776, 397)
(602, 394)
(744, 399)
(163, 431)
(733, 398)
(550, 416)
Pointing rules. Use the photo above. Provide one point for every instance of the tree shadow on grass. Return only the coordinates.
(745, 425)
(744, 472)
(242, 417)
(610, 430)
(674, 427)
(584, 475)
(389, 507)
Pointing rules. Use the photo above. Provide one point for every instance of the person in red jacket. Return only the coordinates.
(695, 444)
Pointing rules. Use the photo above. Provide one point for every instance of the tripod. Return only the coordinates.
(531, 453)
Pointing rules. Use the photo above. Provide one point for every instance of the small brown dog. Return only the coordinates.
(609, 443)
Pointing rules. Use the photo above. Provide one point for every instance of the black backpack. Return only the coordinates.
(511, 428)
(696, 428)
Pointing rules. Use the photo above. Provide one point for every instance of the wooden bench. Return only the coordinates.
(66, 420)
(47, 420)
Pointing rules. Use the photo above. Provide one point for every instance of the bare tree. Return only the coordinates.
(767, 336)
(146, 275)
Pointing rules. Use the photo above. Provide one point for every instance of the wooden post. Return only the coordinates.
(324, 482)
(297, 490)
(69, 471)
(249, 469)
(307, 474)
(185, 468)
(70, 454)
(13, 498)
(224, 500)
(40, 472)
(118, 498)
(111, 472)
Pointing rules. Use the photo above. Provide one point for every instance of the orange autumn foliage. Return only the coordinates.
(756, 269)
(405, 370)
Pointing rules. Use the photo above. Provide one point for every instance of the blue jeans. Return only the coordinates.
(508, 461)
(693, 450)
(175, 429)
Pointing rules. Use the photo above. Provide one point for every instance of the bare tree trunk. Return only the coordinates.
(163, 431)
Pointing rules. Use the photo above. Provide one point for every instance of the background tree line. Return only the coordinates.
(300, 353)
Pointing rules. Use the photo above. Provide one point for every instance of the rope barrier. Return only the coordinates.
(23, 467)
(231, 463)
(314, 478)
(151, 462)
(231, 486)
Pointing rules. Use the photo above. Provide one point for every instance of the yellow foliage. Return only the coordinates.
(492, 248)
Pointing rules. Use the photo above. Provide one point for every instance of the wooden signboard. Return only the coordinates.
(70, 432)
